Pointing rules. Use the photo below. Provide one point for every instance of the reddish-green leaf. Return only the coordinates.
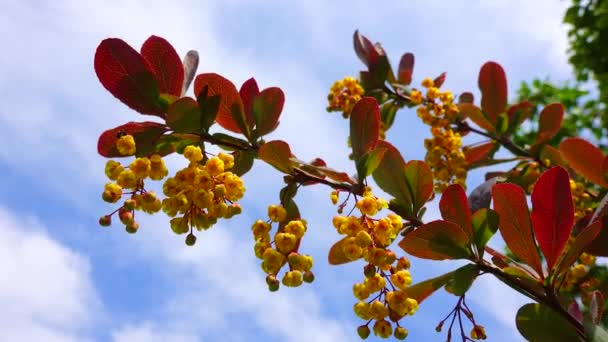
(462, 279)
(336, 254)
(278, 154)
(248, 92)
(419, 178)
(165, 63)
(514, 223)
(549, 122)
(184, 116)
(146, 134)
(128, 76)
(423, 290)
(493, 85)
(438, 81)
(390, 175)
(229, 101)
(596, 306)
(585, 158)
(364, 126)
(552, 212)
(369, 162)
(406, 68)
(267, 108)
(577, 246)
(469, 110)
(437, 240)
(454, 207)
(485, 224)
(474, 154)
(552, 154)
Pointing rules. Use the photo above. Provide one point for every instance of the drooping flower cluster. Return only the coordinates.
(577, 276)
(343, 95)
(285, 250)
(386, 276)
(444, 150)
(132, 178)
(201, 193)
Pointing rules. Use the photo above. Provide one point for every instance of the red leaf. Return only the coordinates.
(267, 108)
(419, 178)
(575, 311)
(127, 75)
(438, 81)
(552, 212)
(479, 152)
(493, 85)
(437, 240)
(514, 223)
(230, 97)
(165, 63)
(585, 158)
(549, 122)
(406, 68)
(249, 90)
(146, 134)
(454, 207)
(364, 49)
(364, 126)
(466, 97)
(518, 113)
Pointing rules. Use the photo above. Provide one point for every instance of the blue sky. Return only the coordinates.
(66, 279)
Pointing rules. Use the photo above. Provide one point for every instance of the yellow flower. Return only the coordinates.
(383, 329)
(428, 82)
(140, 167)
(401, 279)
(127, 179)
(292, 279)
(296, 227)
(367, 206)
(113, 169)
(277, 213)
(193, 153)
(478, 333)
(227, 159)
(378, 310)
(126, 145)
(158, 170)
(285, 242)
(416, 97)
(112, 192)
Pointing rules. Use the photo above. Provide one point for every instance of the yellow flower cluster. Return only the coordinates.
(478, 333)
(369, 238)
(343, 95)
(132, 178)
(201, 193)
(444, 150)
(582, 201)
(286, 242)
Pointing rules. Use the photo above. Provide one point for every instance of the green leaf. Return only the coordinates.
(485, 224)
(239, 117)
(423, 290)
(364, 127)
(229, 139)
(267, 108)
(419, 180)
(437, 240)
(369, 162)
(184, 116)
(243, 161)
(539, 323)
(390, 176)
(502, 123)
(462, 279)
(596, 333)
(278, 154)
(209, 106)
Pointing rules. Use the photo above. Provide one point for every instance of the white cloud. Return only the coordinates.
(46, 293)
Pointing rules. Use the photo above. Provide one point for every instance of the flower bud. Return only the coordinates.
(190, 239)
(363, 331)
(105, 221)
